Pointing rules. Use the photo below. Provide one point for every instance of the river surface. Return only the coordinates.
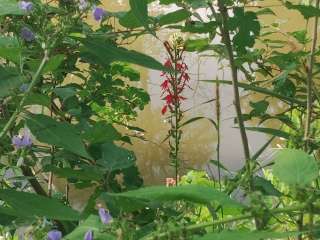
(199, 140)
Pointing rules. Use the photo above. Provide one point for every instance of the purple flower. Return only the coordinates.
(88, 235)
(24, 87)
(54, 235)
(22, 141)
(26, 6)
(98, 13)
(83, 5)
(104, 216)
(27, 34)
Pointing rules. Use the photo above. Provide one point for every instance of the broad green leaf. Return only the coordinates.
(106, 52)
(260, 90)
(10, 7)
(61, 134)
(10, 79)
(271, 131)
(192, 193)
(139, 9)
(259, 108)
(114, 157)
(167, 2)
(29, 204)
(101, 132)
(38, 99)
(10, 49)
(307, 11)
(239, 235)
(174, 17)
(129, 20)
(200, 27)
(92, 223)
(53, 63)
(85, 173)
(198, 45)
(295, 167)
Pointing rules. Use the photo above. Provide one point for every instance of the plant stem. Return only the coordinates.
(309, 81)
(35, 78)
(196, 227)
(227, 41)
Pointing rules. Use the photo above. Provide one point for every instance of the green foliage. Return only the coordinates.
(31, 205)
(47, 130)
(295, 167)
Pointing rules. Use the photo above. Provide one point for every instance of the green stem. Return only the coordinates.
(35, 78)
(196, 227)
(227, 41)
(310, 82)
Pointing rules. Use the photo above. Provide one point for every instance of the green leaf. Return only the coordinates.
(307, 11)
(199, 118)
(114, 157)
(53, 63)
(265, 186)
(239, 235)
(200, 27)
(265, 11)
(29, 204)
(259, 108)
(92, 223)
(271, 131)
(140, 10)
(174, 17)
(247, 27)
(197, 44)
(167, 2)
(38, 99)
(10, 79)
(61, 134)
(129, 20)
(106, 52)
(86, 173)
(10, 7)
(295, 167)
(192, 193)
(101, 132)
(10, 49)
(261, 90)
(218, 164)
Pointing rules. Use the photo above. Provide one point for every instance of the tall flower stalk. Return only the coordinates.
(175, 82)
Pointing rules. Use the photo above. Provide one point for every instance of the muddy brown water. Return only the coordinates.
(200, 138)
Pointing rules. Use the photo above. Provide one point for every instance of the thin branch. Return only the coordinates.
(35, 78)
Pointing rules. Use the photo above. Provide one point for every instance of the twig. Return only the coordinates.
(35, 78)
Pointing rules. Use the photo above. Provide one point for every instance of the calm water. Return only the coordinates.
(199, 138)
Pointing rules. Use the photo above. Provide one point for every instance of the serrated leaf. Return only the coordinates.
(295, 167)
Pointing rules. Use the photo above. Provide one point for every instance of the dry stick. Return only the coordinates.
(227, 41)
(309, 112)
